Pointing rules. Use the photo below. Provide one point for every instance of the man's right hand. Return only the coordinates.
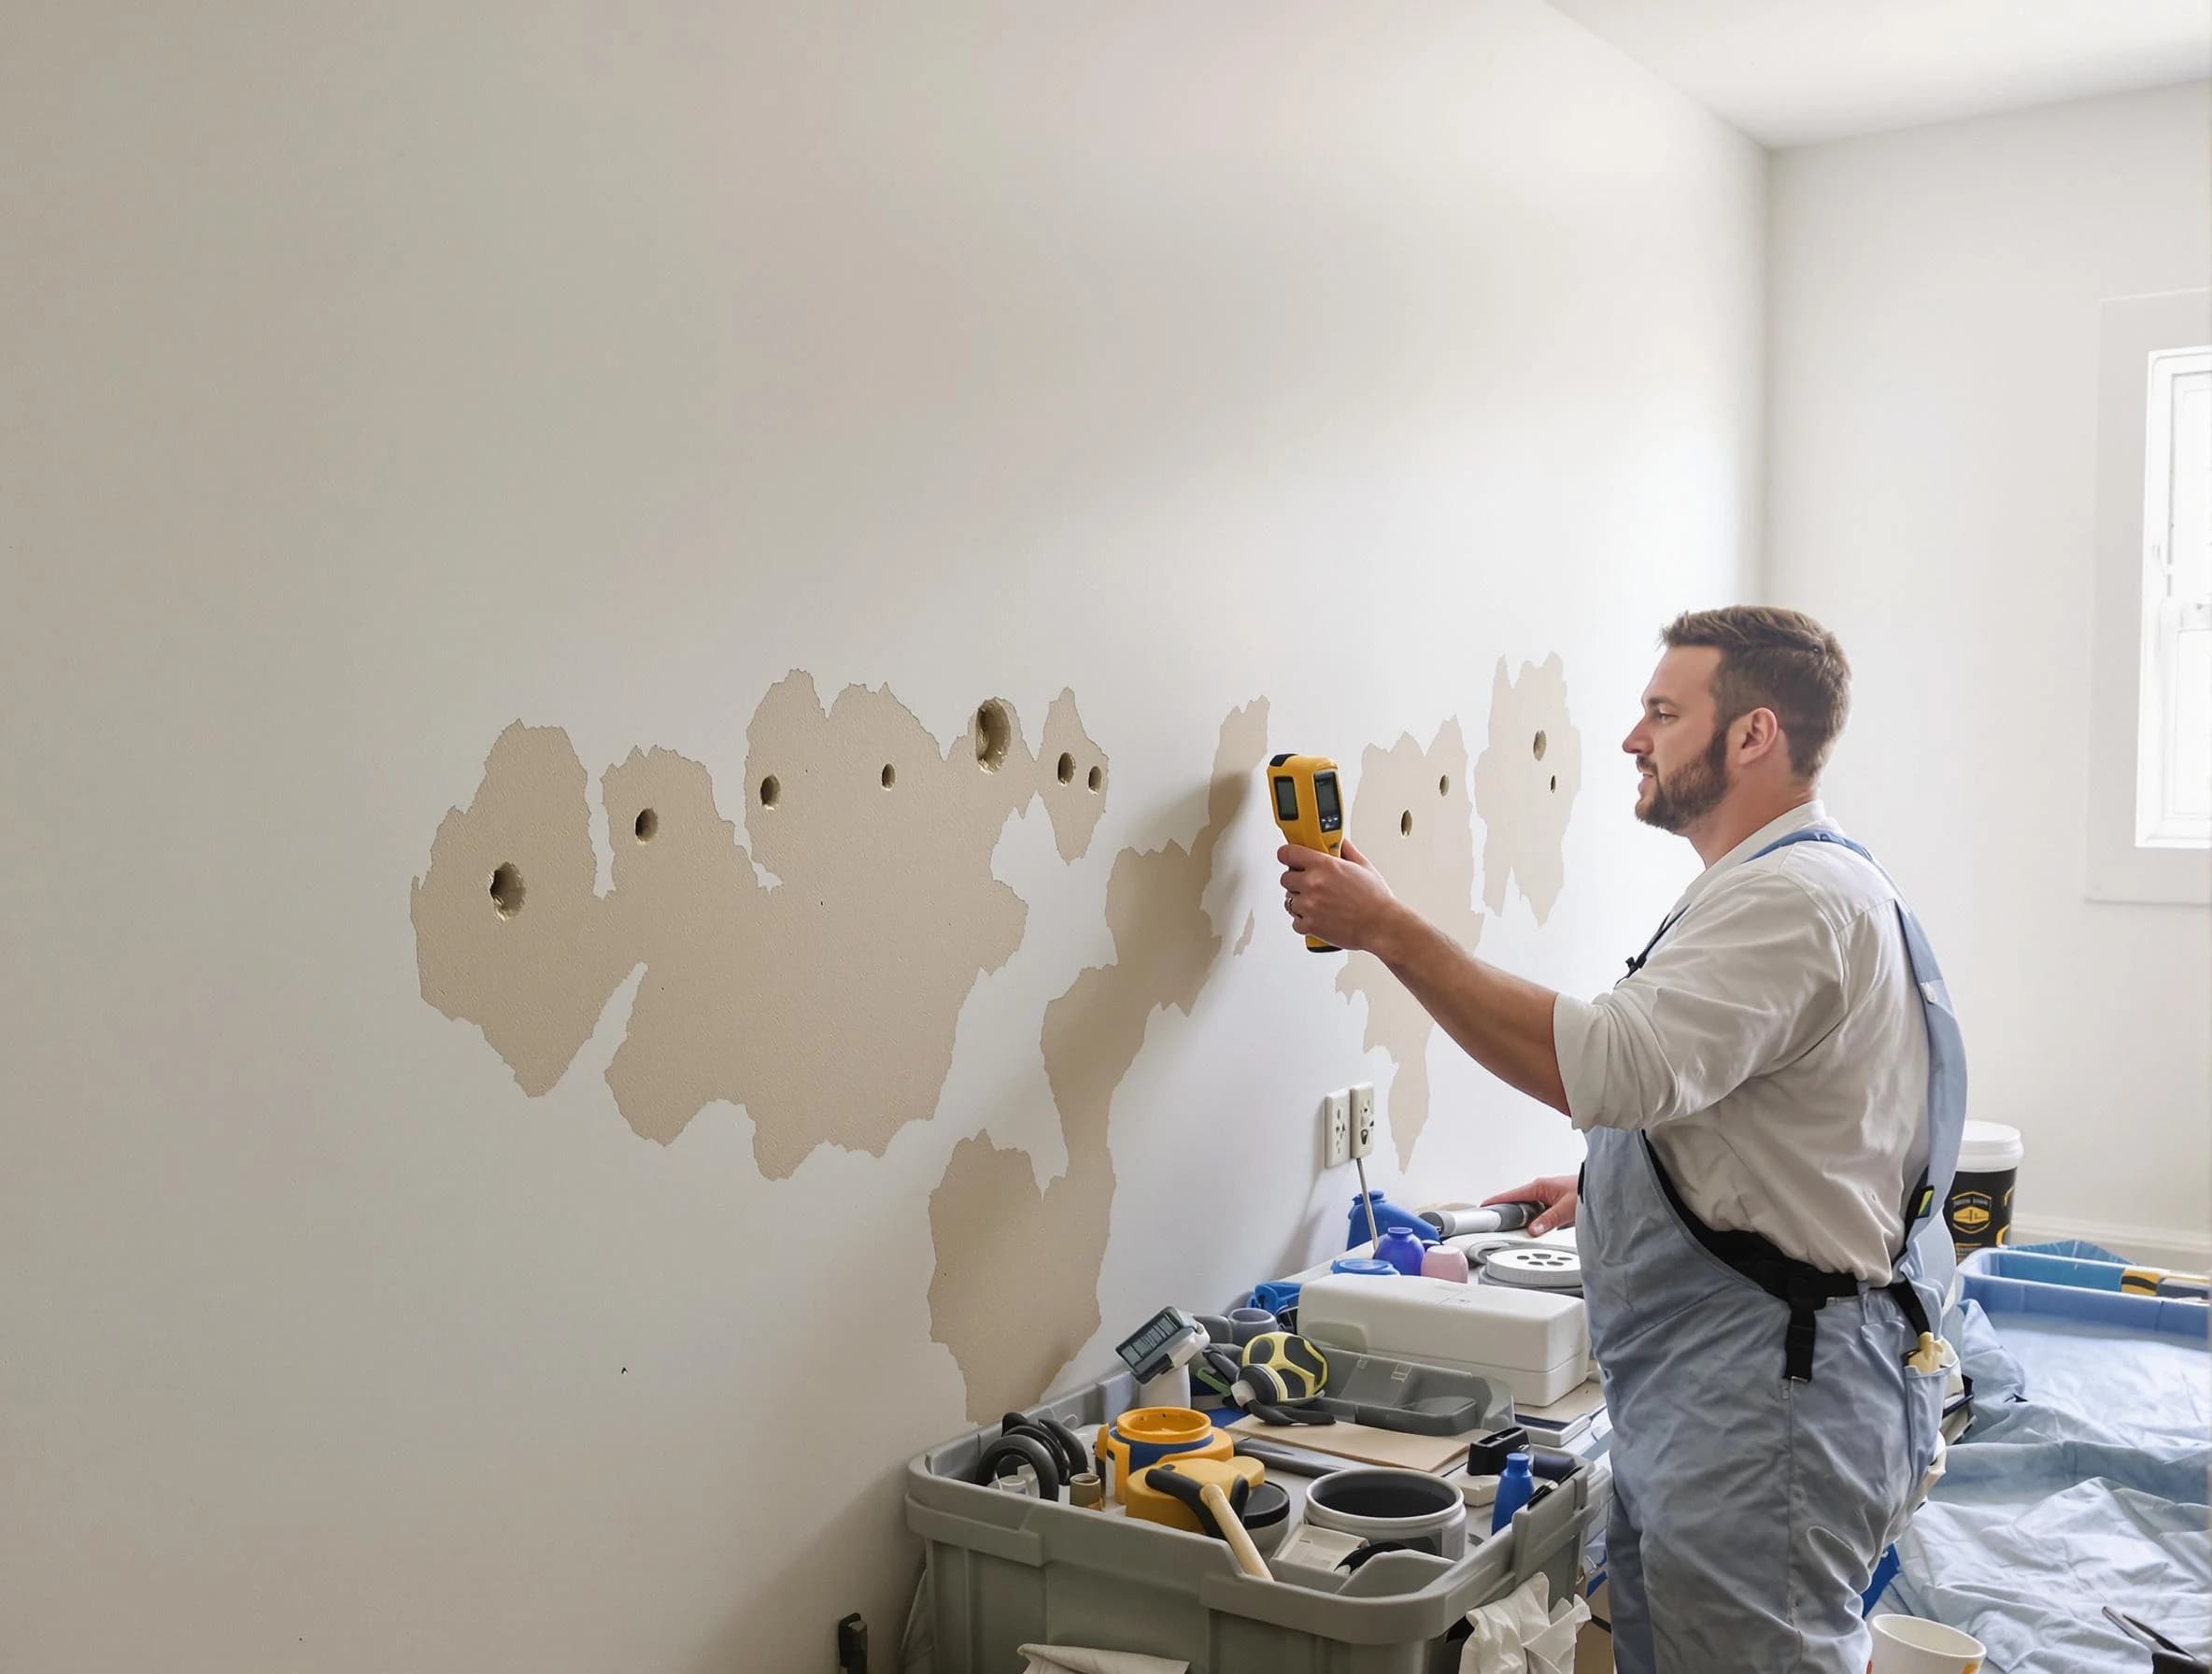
(1555, 1192)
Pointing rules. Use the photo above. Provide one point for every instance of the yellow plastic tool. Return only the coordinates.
(1309, 810)
(1145, 1435)
(2158, 1282)
(1155, 1504)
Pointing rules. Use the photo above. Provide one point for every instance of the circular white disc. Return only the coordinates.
(1534, 1267)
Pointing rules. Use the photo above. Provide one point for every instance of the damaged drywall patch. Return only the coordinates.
(1525, 783)
(510, 932)
(1014, 1292)
(885, 914)
(1074, 795)
(1411, 816)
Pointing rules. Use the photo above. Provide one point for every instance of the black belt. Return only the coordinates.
(1805, 1288)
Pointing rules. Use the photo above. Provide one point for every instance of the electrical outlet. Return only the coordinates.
(1363, 1118)
(1336, 1131)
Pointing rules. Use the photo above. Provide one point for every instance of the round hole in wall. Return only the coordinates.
(1405, 823)
(1444, 784)
(1067, 767)
(648, 825)
(506, 889)
(1098, 780)
(772, 791)
(890, 775)
(993, 734)
(1540, 746)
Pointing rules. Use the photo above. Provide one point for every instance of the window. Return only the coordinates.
(2173, 728)
(2150, 651)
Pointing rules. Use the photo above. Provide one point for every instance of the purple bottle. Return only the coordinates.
(1402, 1250)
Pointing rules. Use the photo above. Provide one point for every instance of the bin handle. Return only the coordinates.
(1014, 1545)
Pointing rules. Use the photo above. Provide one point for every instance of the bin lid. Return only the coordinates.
(1989, 1148)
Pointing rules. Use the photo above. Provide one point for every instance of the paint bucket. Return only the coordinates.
(1409, 1506)
(1979, 1208)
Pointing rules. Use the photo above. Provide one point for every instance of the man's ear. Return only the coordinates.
(1758, 734)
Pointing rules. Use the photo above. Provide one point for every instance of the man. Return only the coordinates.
(1772, 1099)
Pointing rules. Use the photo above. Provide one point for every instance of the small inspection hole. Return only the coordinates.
(1444, 786)
(506, 889)
(1405, 823)
(649, 825)
(1098, 780)
(1540, 746)
(772, 791)
(993, 735)
(890, 775)
(1554, 781)
(1067, 767)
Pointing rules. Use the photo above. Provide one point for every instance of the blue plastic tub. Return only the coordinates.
(2022, 1282)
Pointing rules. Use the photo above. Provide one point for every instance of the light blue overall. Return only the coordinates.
(1765, 1450)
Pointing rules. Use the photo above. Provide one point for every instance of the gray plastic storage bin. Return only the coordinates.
(1007, 1570)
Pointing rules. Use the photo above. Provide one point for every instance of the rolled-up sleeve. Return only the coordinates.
(1749, 980)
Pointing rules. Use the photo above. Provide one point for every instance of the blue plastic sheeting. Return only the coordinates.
(2081, 1484)
(2075, 1249)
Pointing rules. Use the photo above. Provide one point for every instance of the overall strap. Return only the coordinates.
(1810, 834)
(1920, 1198)
(1639, 962)
(1805, 1288)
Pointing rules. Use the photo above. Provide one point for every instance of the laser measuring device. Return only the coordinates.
(1309, 810)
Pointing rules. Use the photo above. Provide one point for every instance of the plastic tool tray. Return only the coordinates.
(2022, 1282)
(1006, 1569)
(1425, 1400)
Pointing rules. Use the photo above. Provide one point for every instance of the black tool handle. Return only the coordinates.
(852, 1646)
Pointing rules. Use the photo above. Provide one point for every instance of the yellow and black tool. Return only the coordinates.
(2157, 1281)
(1310, 811)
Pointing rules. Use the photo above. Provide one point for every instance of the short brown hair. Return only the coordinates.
(1778, 659)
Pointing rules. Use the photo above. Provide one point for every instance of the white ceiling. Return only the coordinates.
(1794, 72)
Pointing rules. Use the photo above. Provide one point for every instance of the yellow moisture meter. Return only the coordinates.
(1309, 810)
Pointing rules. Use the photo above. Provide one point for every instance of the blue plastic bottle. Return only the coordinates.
(1401, 1249)
(1513, 1490)
(1387, 1215)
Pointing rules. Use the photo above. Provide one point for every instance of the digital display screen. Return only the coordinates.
(1286, 797)
(1325, 799)
(1156, 1333)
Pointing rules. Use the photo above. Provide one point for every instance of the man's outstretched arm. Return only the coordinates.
(1501, 1021)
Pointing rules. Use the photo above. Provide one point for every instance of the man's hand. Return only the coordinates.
(1557, 1192)
(1344, 901)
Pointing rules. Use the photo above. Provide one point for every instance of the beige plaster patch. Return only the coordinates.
(826, 1005)
(1411, 817)
(1014, 1294)
(1251, 924)
(510, 932)
(1525, 782)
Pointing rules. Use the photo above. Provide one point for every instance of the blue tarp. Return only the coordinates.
(2082, 1483)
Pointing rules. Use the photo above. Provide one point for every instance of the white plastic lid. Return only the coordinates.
(1989, 1148)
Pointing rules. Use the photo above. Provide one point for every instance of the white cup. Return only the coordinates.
(1911, 1645)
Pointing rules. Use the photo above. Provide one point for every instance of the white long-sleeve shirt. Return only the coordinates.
(1774, 1047)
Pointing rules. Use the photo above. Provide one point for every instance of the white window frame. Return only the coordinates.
(2137, 332)
(2165, 616)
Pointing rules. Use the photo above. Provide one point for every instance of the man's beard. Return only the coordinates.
(1695, 791)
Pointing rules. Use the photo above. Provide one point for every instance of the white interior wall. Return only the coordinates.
(1932, 457)
(375, 377)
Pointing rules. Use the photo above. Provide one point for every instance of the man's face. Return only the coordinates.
(1682, 752)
